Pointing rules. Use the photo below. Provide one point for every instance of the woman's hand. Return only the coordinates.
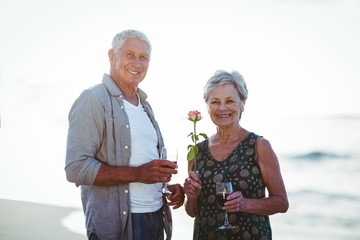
(192, 186)
(235, 202)
(192, 189)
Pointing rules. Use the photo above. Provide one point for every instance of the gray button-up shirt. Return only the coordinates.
(99, 131)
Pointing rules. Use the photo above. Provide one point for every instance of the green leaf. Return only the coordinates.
(203, 135)
(193, 151)
(190, 146)
(196, 150)
(191, 155)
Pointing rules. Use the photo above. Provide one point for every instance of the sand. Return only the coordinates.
(24, 220)
(21, 220)
(34, 221)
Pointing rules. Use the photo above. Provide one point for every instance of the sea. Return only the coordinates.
(319, 158)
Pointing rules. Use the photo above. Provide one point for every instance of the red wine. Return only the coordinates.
(221, 197)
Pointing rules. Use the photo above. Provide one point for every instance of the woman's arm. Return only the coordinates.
(277, 200)
(192, 188)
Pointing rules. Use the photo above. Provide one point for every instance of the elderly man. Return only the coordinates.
(113, 147)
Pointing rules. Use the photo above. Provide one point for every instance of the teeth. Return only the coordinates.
(132, 72)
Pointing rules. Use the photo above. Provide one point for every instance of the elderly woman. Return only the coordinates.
(237, 155)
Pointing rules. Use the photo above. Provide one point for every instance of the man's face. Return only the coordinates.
(130, 64)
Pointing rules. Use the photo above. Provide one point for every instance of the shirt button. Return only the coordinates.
(122, 107)
(126, 147)
(126, 191)
(124, 212)
(127, 126)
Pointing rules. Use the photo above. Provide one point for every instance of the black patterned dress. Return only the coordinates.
(242, 169)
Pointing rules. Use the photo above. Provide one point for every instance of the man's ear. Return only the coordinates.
(111, 55)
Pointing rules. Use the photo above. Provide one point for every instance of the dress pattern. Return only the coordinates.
(242, 169)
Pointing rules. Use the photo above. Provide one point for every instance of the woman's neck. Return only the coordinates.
(228, 135)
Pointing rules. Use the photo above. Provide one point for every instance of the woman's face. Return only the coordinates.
(225, 106)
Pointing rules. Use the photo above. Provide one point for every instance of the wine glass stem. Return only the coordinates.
(226, 218)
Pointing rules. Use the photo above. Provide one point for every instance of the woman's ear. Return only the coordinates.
(242, 108)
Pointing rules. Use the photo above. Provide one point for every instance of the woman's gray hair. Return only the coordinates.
(120, 38)
(222, 77)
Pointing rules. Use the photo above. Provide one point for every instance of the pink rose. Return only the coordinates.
(194, 116)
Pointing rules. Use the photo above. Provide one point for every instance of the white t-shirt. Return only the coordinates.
(143, 197)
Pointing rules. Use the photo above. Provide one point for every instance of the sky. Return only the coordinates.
(300, 58)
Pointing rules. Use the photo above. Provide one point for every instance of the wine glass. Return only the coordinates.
(223, 190)
(174, 157)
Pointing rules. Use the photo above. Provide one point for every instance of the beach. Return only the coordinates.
(26, 220)
(300, 60)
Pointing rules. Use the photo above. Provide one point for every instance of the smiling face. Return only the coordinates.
(225, 106)
(128, 67)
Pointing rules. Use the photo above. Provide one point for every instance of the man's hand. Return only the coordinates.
(177, 196)
(156, 171)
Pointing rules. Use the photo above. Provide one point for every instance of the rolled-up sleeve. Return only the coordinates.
(85, 136)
